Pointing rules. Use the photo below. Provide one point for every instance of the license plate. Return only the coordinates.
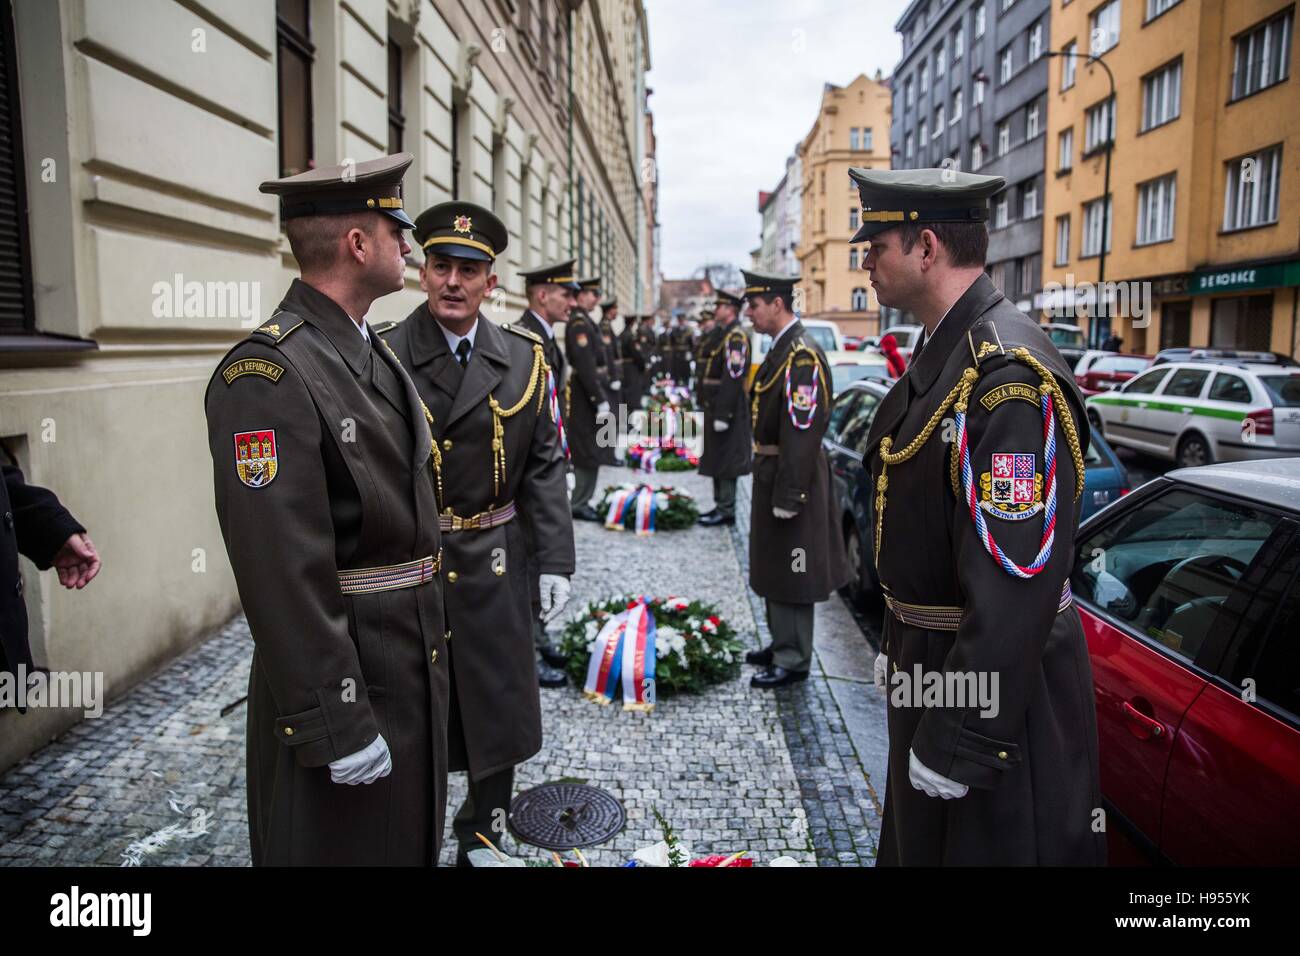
(1289, 417)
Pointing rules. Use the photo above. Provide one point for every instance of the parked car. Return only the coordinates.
(1197, 413)
(1109, 372)
(826, 334)
(1105, 479)
(907, 337)
(1068, 340)
(1189, 594)
(1088, 357)
(849, 367)
(852, 343)
(1223, 357)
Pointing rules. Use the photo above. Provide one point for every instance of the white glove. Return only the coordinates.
(365, 766)
(782, 513)
(616, 385)
(934, 784)
(882, 670)
(720, 426)
(602, 409)
(555, 594)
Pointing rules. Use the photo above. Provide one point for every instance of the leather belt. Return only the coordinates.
(932, 617)
(390, 577)
(766, 449)
(711, 381)
(448, 522)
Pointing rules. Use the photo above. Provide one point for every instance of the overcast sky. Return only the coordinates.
(737, 84)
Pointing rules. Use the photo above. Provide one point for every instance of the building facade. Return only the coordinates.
(780, 214)
(1204, 196)
(137, 249)
(851, 129)
(971, 92)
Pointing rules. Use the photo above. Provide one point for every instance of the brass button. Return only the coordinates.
(499, 570)
(288, 731)
(1002, 755)
(448, 637)
(452, 576)
(433, 658)
(446, 444)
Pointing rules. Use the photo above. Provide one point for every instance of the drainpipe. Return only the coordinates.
(572, 9)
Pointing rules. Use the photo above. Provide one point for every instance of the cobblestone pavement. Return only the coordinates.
(776, 774)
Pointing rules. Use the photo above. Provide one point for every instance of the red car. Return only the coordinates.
(1110, 372)
(1189, 593)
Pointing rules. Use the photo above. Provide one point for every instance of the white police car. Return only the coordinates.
(1196, 413)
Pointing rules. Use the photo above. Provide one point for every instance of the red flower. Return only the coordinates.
(631, 604)
(713, 619)
(713, 861)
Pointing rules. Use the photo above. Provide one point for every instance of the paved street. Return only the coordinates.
(159, 779)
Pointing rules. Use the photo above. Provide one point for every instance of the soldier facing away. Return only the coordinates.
(326, 495)
(488, 388)
(967, 529)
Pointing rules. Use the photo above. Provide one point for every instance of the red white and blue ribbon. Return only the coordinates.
(639, 501)
(1049, 515)
(812, 401)
(624, 652)
(555, 411)
(650, 458)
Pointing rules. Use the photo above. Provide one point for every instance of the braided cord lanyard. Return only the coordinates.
(435, 456)
(539, 371)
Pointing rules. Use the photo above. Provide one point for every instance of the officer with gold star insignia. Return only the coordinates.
(974, 539)
(488, 388)
(796, 547)
(326, 493)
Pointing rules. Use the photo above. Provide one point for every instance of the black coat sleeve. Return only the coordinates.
(580, 345)
(41, 523)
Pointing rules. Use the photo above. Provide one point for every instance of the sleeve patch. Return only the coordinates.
(252, 366)
(255, 457)
(1005, 393)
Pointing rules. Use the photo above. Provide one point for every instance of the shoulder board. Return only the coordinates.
(532, 336)
(383, 327)
(736, 334)
(281, 325)
(985, 343)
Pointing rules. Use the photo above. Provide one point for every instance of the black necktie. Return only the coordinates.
(462, 352)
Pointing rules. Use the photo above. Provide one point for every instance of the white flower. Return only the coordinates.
(591, 646)
(590, 630)
(661, 500)
(693, 623)
(709, 627)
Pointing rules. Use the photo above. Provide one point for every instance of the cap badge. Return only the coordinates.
(463, 224)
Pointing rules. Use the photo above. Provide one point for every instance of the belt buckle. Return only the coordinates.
(473, 524)
(457, 522)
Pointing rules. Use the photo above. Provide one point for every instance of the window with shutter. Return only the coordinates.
(16, 313)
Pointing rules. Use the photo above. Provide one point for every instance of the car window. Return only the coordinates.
(1166, 568)
(859, 421)
(1273, 661)
(1121, 363)
(840, 413)
(1093, 457)
(1229, 388)
(842, 375)
(1186, 383)
(1283, 390)
(823, 336)
(1146, 384)
(1067, 337)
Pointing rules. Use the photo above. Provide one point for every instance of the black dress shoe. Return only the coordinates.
(463, 860)
(586, 513)
(776, 676)
(710, 513)
(548, 676)
(717, 518)
(761, 658)
(551, 654)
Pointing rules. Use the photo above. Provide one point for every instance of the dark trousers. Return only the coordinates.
(792, 634)
(584, 485)
(479, 813)
(724, 496)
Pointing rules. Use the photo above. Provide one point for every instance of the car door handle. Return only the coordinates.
(1186, 410)
(1144, 727)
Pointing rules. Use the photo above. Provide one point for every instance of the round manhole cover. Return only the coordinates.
(560, 816)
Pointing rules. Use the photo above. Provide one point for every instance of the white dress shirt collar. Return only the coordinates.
(453, 340)
(550, 332)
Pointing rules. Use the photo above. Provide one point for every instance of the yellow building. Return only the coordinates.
(852, 129)
(1205, 171)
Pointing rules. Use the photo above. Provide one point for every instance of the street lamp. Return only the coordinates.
(1094, 328)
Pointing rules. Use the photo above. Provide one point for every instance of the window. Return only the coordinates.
(1029, 200)
(1156, 210)
(1005, 58)
(998, 275)
(956, 106)
(1252, 193)
(295, 54)
(976, 153)
(979, 20)
(1006, 5)
(853, 260)
(1227, 387)
(1186, 383)
(1069, 65)
(17, 314)
(857, 424)
(859, 300)
(923, 133)
(977, 94)
(1062, 240)
(938, 122)
(396, 120)
(1242, 322)
(1282, 390)
(958, 42)
(925, 78)
(842, 413)
(940, 54)
(907, 93)
(1161, 94)
(853, 220)
(908, 147)
(1004, 137)
(1031, 121)
(853, 138)
(1030, 266)
(1035, 41)
(1263, 55)
(1146, 384)
(1093, 214)
(1157, 7)
(1103, 28)
(1166, 568)
(866, 139)
(1099, 128)
(1065, 149)
(1000, 206)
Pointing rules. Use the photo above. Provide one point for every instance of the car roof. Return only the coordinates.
(850, 357)
(1252, 367)
(870, 383)
(1274, 481)
(1062, 325)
